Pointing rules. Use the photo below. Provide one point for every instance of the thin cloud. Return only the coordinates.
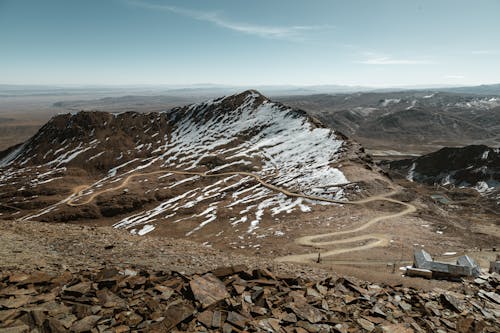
(455, 77)
(394, 61)
(295, 32)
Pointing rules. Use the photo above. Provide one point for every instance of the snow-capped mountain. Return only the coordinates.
(476, 167)
(186, 170)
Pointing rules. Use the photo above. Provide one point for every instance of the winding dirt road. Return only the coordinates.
(380, 240)
(78, 191)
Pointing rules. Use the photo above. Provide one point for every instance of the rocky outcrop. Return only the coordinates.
(471, 166)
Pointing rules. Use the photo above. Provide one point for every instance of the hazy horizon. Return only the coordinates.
(383, 44)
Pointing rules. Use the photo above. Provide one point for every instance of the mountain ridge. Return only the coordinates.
(474, 166)
(411, 122)
(232, 135)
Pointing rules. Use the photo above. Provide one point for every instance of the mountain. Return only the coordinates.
(219, 166)
(408, 121)
(476, 166)
(484, 89)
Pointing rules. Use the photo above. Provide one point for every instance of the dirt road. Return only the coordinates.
(77, 192)
(380, 240)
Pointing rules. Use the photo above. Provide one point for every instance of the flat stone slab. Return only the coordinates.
(208, 289)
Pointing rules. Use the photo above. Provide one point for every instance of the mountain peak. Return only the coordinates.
(252, 92)
(250, 96)
(199, 161)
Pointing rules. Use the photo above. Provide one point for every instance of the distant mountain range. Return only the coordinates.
(487, 89)
(212, 90)
(408, 121)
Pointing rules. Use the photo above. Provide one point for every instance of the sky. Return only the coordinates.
(377, 43)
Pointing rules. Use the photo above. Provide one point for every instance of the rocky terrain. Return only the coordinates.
(64, 277)
(239, 173)
(408, 121)
(236, 299)
(237, 214)
(476, 167)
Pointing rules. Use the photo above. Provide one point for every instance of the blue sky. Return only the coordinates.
(271, 42)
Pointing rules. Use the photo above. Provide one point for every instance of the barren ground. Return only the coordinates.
(29, 246)
(437, 228)
(462, 227)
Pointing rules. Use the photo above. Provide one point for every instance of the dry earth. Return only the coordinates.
(56, 247)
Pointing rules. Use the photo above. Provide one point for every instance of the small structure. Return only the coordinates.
(440, 198)
(424, 266)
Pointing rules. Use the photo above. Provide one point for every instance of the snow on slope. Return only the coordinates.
(476, 167)
(480, 103)
(295, 154)
(246, 132)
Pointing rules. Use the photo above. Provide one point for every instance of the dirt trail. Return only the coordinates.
(380, 239)
(312, 241)
(77, 192)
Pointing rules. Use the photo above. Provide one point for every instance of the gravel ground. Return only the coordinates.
(29, 246)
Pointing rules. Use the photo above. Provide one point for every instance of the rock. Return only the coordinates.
(217, 319)
(38, 316)
(109, 300)
(38, 278)
(227, 328)
(495, 297)
(104, 301)
(451, 302)
(495, 265)
(230, 270)
(206, 318)
(107, 274)
(208, 289)
(479, 280)
(306, 311)
(396, 328)
(448, 324)
(378, 312)
(405, 306)
(78, 289)
(6, 315)
(269, 325)
(342, 328)
(85, 324)
(177, 313)
(14, 291)
(465, 325)
(365, 324)
(348, 299)
(15, 302)
(237, 319)
(121, 329)
(67, 320)
(18, 277)
(239, 288)
(129, 272)
(16, 329)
